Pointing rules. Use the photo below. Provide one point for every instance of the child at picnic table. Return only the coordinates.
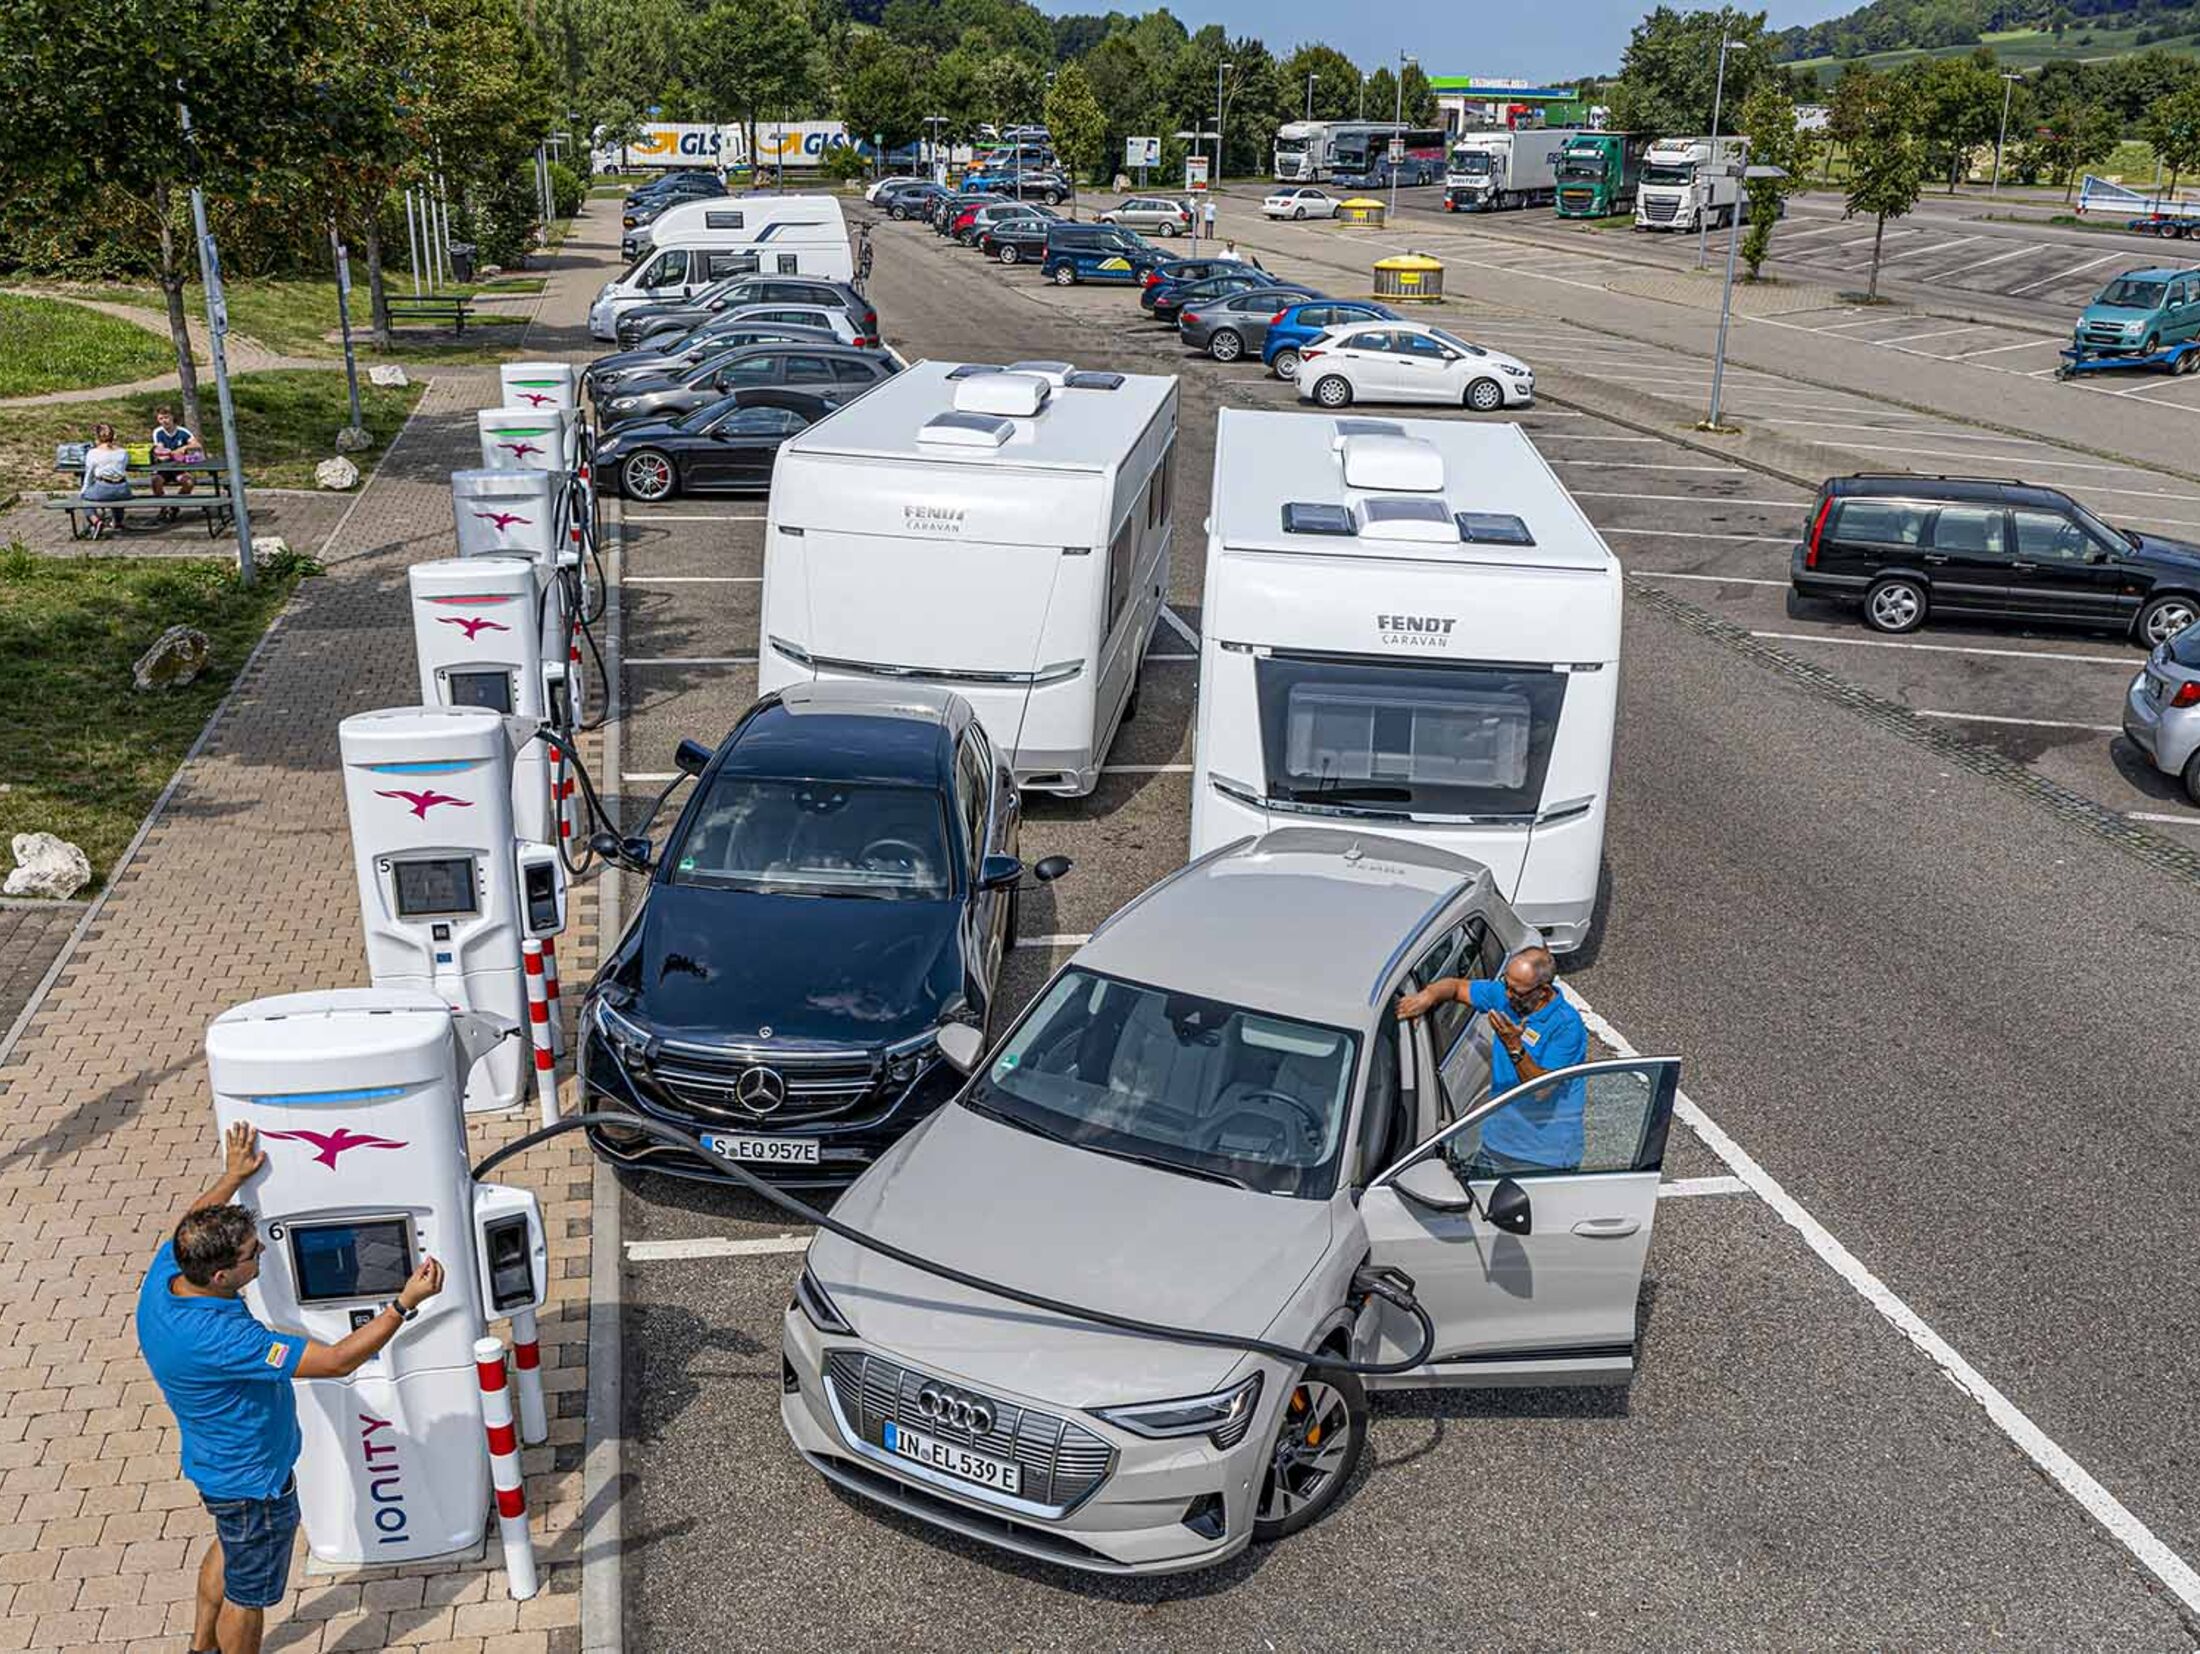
(106, 477)
(177, 442)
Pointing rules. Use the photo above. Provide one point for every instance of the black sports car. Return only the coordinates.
(841, 884)
(725, 447)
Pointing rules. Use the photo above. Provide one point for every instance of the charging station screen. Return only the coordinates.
(490, 689)
(429, 889)
(334, 1261)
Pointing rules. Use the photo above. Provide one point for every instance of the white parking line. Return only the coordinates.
(2172, 820)
(2033, 1442)
(691, 660)
(714, 1246)
(694, 580)
(2061, 275)
(1060, 940)
(694, 517)
(1584, 436)
(1638, 465)
(1998, 258)
(2128, 662)
(1928, 249)
(1937, 333)
(1151, 656)
(1179, 625)
(2020, 723)
(1684, 1188)
(1995, 350)
(1680, 499)
(1838, 327)
(1712, 579)
(1145, 769)
(1691, 534)
(648, 777)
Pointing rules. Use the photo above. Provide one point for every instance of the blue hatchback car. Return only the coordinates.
(1293, 327)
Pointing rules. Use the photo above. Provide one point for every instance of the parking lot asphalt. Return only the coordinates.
(1944, 1017)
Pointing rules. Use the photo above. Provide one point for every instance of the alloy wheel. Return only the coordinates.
(1226, 346)
(1333, 392)
(1286, 364)
(648, 476)
(2165, 618)
(1894, 607)
(1485, 396)
(1312, 1444)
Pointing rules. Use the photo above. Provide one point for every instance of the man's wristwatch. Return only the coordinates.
(403, 1314)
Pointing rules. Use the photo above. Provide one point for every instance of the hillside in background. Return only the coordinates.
(2020, 49)
(2023, 33)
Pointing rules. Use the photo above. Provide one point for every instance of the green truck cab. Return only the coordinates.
(1598, 173)
(2141, 312)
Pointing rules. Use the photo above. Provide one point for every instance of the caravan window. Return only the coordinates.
(1390, 737)
(1122, 569)
(724, 266)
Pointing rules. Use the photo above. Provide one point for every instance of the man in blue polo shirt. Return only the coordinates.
(1534, 1030)
(227, 1379)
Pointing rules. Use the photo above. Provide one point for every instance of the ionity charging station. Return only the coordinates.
(449, 894)
(356, 1095)
(540, 385)
(526, 512)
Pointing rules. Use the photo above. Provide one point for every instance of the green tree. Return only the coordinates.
(1420, 97)
(756, 57)
(2172, 126)
(1075, 121)
(879, 88)
(1875, 117)
(1767, 116)
(1959, 108)
(1379, 92)
(619, 127)
(1336, 83)
(1012, 88)
(1669, 74)
(2072, 135)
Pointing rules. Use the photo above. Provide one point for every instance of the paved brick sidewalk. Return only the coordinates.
(106, 1124)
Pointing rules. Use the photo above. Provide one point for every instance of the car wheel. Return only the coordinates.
(897, 213)
(1009, 255)
(1054, 198)
(2153, 344)
(1895, 606)
(1226, 346)
(1485, 396)
(2192, 778)
(1286, 363)
(2165, 617)
(1298, 212)
(2190, 360)
(646, 475)
(1319, 1439)
(1333, 390)
(1064, 276)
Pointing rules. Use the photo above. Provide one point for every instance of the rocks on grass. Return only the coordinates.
(338, 473)
(177, 657)
(47, 866)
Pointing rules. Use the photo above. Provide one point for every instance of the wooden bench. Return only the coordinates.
(448, 310)
(214, 508)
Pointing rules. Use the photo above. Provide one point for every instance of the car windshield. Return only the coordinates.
(698, 419)
(815, 838)
(2128, 294)
(1456, 343)
(1190, 1084)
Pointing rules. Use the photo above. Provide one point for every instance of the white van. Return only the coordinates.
(699, 242)
(1409, 624)
(1000, 531)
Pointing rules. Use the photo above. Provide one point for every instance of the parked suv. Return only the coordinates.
(1907, 547)
(2143, 311)
(1154, 214)
(1096, 252)
(672, 318)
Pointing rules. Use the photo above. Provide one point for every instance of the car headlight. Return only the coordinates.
(1224, 1416)
(1516, 372)
(624, 401)
(818, 1309)
(624, 1033)
(905, 1061)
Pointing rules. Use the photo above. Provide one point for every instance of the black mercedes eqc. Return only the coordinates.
(840, 885)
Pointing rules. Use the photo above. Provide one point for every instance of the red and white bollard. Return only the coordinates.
(538, 1026)
(550, 995)
(504, 1473)
(534, 1417)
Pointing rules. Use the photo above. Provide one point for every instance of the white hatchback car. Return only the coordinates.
(1409, 362)
(1302, 201)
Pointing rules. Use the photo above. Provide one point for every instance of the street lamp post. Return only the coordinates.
(2008, 85)
(1726, 293)
(1718, 100)
(1398, 121)
(1309, 97)
(1221, 69)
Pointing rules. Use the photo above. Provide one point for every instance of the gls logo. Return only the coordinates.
(1416, 631)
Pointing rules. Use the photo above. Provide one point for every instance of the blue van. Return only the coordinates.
(1097, 252)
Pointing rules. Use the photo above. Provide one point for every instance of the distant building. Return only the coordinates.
(1486, 103)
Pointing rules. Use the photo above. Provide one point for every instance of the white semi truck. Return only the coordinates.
(1687, 183)
(1488, 171)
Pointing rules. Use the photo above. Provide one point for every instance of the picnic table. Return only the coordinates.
(209, 495)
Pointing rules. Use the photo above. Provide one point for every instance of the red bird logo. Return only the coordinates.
(422, 803)
(474, 625)
(328, 1145)
(536, 397)
(520, 450)
(504, 519)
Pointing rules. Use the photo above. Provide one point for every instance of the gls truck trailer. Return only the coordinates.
(1410, 629)
(1686, 184)
(1499, 171)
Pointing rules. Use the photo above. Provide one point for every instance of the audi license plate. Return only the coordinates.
(770, 1151)
(997, 1474)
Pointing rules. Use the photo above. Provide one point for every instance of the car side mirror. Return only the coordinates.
(962, 1045)
(1509, 1208)
(691, 757)
(1430, 1185)
(1050, 868)
(999, 872)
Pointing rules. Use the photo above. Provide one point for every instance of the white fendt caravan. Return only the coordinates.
(1002, 532)
(699, 242)
(1409, 625)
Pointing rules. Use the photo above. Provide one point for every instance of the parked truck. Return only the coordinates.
(1689, 183)
(1499, 171)
(1599, 172)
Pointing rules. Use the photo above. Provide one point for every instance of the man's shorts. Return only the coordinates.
(255, 1536)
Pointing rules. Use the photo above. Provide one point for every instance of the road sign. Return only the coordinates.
(1397, 150)
(1141, 152)
(1195, 172)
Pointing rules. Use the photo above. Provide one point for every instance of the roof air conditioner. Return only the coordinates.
(1393, 464)
(1015, 395)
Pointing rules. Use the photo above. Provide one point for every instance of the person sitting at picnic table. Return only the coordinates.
(178, 442)
(106, 477)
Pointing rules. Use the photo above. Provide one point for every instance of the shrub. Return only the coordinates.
(568, 190)
(844, 162)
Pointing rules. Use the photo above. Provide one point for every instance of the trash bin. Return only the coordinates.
(1409, 276)
(462, 260)
(1363, 210)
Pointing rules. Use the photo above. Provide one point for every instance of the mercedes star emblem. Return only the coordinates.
(760, 1090)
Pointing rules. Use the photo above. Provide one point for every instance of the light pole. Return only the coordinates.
(1718, 99)
(2008, 85)
(1398, 121)
(1309, 97)
(1221, 69)
(1726, 293)
(217, 332)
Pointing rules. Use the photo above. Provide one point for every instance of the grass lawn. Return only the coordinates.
(286, 423)
(2018, 49)
(51, 345)
(82, 753)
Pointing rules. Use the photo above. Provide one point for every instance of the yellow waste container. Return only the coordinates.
(1409, 276)
(1362, 210)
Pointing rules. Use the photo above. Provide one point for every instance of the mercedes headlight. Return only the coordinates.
(1223, 1417)
(624, 1033)
(905, 1061)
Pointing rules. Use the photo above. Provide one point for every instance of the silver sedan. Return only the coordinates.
(2162, 709)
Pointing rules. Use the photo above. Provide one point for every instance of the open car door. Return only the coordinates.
(1529, 1273)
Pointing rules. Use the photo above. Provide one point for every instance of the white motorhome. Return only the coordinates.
(1686, 183)
(699, 242)
(1000, 531)
(1409, 625)
(1500, 171)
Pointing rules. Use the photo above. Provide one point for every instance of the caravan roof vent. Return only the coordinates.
(1318, 517)
(966, 430)
(1493, 528)
(1094, 381)
(1394, 464)
(1363, 427)
(1408, 517)
(970, 370)
(1054, 373)
(1012, 394)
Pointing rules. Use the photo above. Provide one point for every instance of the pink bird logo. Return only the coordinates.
(520, 450)
(328, 1145)
(474, 625)
(422, 803)
(504, 519)
(537, 398)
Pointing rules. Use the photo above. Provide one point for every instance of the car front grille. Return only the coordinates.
(1062, 1463)
(810, 1087)
(2109, 335)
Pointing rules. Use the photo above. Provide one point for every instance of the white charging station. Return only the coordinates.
(540, 385)
(523, 512)
(448, 891)
(356, 1095)
(478, 640)
(529, 439)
